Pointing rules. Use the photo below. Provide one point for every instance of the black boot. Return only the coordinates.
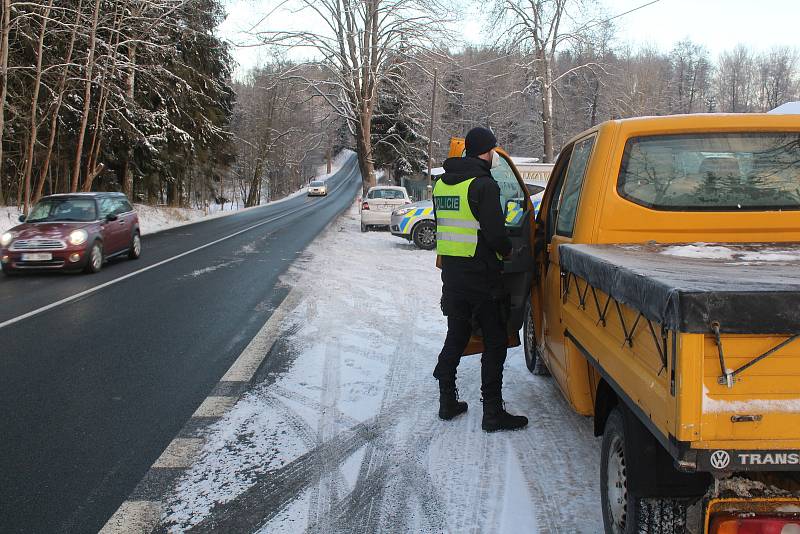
(495, 417)
(449, 405)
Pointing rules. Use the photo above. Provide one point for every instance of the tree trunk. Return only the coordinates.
(5, 29)
(130, 84)
(87, 97)
(547, 113)
(34, 132)
(59, 100)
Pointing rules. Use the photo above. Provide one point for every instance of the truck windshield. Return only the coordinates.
(713, 172)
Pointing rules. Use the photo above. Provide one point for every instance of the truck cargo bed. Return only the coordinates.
(751, 288)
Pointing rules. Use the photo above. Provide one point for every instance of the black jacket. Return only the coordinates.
(478, 276)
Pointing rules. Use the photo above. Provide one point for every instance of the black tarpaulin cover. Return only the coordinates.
(745, 287)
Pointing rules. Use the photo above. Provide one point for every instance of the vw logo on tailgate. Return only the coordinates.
(747, 460)
(720, 459)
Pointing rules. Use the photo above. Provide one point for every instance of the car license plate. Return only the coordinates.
(42, 256)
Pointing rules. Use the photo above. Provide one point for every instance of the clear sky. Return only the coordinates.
(717, 24)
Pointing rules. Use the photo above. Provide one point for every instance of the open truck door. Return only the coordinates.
(518, 269)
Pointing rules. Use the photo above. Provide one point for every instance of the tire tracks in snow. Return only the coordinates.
(392, 473)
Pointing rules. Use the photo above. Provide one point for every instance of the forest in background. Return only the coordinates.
(137, 95)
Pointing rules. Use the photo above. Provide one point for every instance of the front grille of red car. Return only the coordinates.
(37, 244)
(52, 264)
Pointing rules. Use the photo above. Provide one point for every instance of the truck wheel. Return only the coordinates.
(424, 235)
(624, 513)
(533, 360)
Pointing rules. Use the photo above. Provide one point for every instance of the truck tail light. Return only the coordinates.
(365, 206)
(731, 524)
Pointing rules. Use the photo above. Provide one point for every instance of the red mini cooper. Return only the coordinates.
(75, 231)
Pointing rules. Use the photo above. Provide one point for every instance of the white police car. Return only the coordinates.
(415, 222)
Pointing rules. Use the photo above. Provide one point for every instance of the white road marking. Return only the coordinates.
(215, 406)
(179, 453)
(254, 353)
(137, 517)
(89, 291)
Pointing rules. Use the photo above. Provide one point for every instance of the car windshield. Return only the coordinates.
(317, 184)
(713, 172)
(64, 209)
(391, 194)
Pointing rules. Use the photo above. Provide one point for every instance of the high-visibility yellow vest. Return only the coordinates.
(456, 226)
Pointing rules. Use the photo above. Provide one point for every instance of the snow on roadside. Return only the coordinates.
(358, 350)
(338, 162)
(157, 218)
(9, 217)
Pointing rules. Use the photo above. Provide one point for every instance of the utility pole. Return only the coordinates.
(430, 131)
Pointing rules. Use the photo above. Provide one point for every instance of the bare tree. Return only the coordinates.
(354, 44)
(5, 30)
(539, 28)
(87, 96)
(34, 124)
(735, 80)
(777, 77)
(56, 108)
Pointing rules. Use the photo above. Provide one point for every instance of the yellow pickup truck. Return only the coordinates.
(665, 303)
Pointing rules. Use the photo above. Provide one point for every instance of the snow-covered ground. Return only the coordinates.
(157, 218)
(341, 434)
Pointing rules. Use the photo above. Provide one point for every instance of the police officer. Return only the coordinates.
(471, 240)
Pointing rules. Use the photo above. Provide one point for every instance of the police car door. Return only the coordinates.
(518, 269)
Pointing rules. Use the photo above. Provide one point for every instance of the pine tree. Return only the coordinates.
(397, 138)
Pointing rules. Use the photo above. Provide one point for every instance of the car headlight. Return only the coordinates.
(78, 237)
(6, 238)
(402, 211)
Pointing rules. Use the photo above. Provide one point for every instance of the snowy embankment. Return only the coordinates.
(157, 218)
(341, 432)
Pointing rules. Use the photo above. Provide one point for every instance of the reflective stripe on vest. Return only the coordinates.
(456, 226)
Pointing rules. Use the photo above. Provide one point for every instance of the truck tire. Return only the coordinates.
(424, 235)
(533, 359)
(623, 512)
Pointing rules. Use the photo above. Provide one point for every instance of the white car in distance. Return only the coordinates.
(317, 188)
(379, 203)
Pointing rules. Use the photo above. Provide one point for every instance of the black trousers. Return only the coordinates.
(490, 315)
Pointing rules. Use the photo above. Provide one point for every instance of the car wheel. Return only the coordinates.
(95, 262)
(424, 235)
(8, 271)
(623, 512)
(533, 358)
(135, 250)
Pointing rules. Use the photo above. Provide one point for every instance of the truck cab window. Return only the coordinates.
(573, 184)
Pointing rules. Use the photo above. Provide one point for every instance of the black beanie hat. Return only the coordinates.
(479, 141)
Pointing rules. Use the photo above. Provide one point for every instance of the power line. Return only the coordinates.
(628, 12)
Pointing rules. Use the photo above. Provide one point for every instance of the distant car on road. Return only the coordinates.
(317, 188)
(72, 232)
(380, 202)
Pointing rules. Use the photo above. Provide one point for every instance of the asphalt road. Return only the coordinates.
(93, 389)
